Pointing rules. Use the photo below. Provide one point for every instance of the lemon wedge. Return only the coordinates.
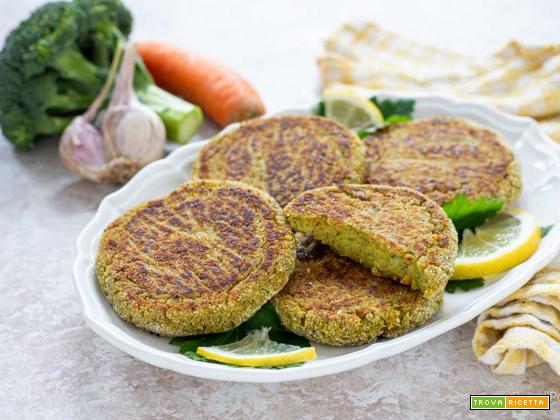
(256, 349)
(503, 242)
(350, 109)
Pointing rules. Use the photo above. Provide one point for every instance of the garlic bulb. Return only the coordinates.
(131, 135)
(81, 143)
(130, 129)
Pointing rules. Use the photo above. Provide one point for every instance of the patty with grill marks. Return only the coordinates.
(201, 260)
(333, 300)
(443, 157)
(284, 155)
(396, 232)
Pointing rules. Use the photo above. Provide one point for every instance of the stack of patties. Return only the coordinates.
(372, 261)
(206, 257)
(392, 251)
(386, 253)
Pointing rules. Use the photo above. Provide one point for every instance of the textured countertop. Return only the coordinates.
(53, 366)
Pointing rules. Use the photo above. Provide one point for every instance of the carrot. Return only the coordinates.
(224, 95)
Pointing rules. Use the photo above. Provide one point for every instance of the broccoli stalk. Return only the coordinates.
(54, 63)
(72, 65)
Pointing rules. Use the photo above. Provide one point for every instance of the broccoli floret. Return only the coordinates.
(47, 41)
(103, 23)
(44, 74)
(54, 64)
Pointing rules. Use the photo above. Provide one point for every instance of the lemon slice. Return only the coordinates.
(256, 349)
(350, 109)
(503, 242)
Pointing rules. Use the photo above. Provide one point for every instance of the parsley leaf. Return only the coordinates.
(264, 317)
(370, 130)
(465, 285)
(397, 118)
(545, 230)
(393, 119)
(319, 109)
(467, 214)
(389, 108)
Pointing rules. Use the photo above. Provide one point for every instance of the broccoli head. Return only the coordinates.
(54, 64)
(40, 65)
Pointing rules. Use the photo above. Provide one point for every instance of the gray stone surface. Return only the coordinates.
(53, 366)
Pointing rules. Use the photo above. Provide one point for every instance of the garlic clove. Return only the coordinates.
(135, 132)
(81, 149)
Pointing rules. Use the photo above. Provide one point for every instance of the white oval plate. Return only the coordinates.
(540, 161)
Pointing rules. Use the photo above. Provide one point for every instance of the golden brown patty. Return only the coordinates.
(284, 155)
(443, 157)
(201, 260)
(397, 232)
(333, 300)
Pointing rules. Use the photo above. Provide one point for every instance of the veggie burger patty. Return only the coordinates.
(203, 259)
(396, 232)
(333, 300)
(284, 155)
(443, 157)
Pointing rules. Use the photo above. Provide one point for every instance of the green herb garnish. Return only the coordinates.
(545, 230)
(465, 285)
(319, 109)
(467, 214)
(394, 112)
(390, 108)
(370, 130)
(264, 317)
(397, 119)
(393, 119)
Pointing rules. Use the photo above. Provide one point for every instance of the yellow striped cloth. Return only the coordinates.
(523, 330)
(519, 79)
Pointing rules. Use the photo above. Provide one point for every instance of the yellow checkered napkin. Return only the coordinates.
(523, 330)
(519, 79)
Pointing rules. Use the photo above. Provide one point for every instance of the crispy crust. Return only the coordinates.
(397, 232)
(443, 157)
(333, 300)
(284, 155)
(203, 259)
